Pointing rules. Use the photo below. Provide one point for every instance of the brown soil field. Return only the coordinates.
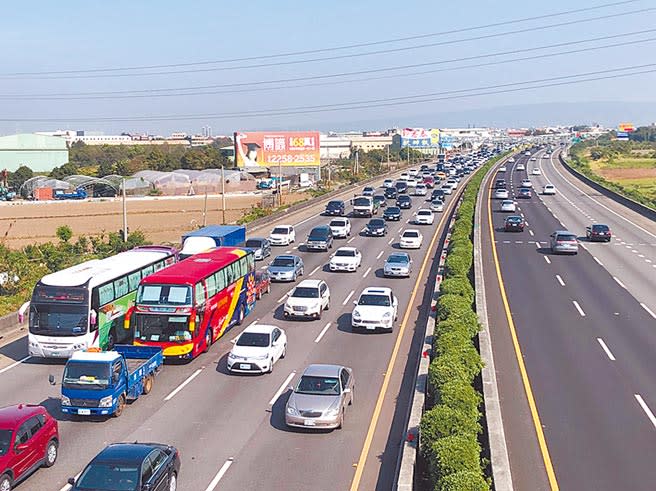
(160, 219)
(616, 174)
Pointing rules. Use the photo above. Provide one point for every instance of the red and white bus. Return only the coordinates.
(186, 307)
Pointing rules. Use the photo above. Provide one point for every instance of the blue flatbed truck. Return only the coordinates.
(99, 383)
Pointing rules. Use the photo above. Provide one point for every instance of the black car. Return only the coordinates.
(598, 231)
(391, 193)
(513, 223)
(377, 227)
(500, 184)
(381, 200)
(436, 194)
(392, 213)
(401, 187)
(336, 207)
(319, 239)
(131, 466)
(404, 201)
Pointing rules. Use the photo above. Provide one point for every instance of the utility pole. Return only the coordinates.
(223, 202)
(357, 161)
(205, 209)
(279, 183)
(125, 213)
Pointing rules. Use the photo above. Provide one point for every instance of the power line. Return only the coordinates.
(333, 48)
(338, 57)
(391, 101)
(186, 91)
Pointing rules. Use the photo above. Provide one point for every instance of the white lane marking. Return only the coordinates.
(560, 280)
(295, 247)
(282, 388)
(183, 385)
(379, 254)
(366, 273)
(391, 240)
(648, 260)
(323, 331)
(617, 280)
(537, 244)
(315, 270)
(578, 307)
(649, 311)
(307, 219)
(350, 240)
(252, 323)
(646, 409)
(15, 364)
(605, 348)
(598, 261)
(641, 256)
(219, 475)
(348, 297)
(264, 267)
(530, 232)
(547, 259)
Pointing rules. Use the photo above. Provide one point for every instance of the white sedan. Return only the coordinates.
(508, 205)
(501, 194)
(502, 168)
(424, 217)
(526, 183)
(257, 349)
(308, 300)
(437, 205)
(549, 189)
(345, 259)
(520, 167)
(536, 171)
(282, 235)
(411, 239)
(340, 227)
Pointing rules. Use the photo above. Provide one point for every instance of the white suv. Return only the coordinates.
(411, 239)
(309, 299)
(340, 227)
(282, 235)
(345, 259)
(377, 307)
(424, 217)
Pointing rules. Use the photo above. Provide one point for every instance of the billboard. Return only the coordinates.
(626, 127)
(273, 148)
(415, 138)
(446, 142)
(435, 137)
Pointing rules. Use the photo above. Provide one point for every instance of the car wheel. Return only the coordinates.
(352, 396)
(270, 366)
(240, 319)
(294, 277)
(302, 272)
(328, 305)
(268, 290)
(5, 483)
(120, 406)
(341, 421)
(319, 314)
(208, 340)
(148, 384)
(51, 455)
(111, 340)
(173, 482)
(284, 351)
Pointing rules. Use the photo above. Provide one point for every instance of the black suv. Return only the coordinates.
(336, 207)
(319, 239)
(598, 231)
(377, 227)
(391, 193)
(404, 201)
(436, 194)
(392, 213)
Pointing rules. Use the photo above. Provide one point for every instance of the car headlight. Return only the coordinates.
(65, 401)
(387, 315)
(231, 356)
(105, 402)
(292, 410)
(332, 412)
(356, 314)
(261, 357)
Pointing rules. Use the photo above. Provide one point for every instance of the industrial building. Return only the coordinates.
(41, 153)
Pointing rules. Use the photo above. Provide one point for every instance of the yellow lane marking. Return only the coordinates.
(520, 361)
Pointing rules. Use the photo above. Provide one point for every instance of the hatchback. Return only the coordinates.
(381, 200)
(564, 242)
(308, 300)
(319, 239)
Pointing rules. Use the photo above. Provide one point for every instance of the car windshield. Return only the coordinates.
(361, 202)
(377, 222)
(280, 231)
(58, 319)
(283, 262)
(397, 258)
(334, 204)
(5, 441)
(506, 203)
(254, 243)
(109, 477)
(320, 233)
(305, 292)
(86, 375)
(410, 235)
(337, 223)
(162, 328)
(404, 198)
(253, 339)
(344, 253)
(424, 212)
(514, 219)
(393, 210)
(320, 386)
(375, 300)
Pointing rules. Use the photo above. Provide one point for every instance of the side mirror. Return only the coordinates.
(71, 481)
(51, 379)
(355, 302)
(93, 317)
(234, 341)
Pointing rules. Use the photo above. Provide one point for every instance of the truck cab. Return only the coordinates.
(364, 206)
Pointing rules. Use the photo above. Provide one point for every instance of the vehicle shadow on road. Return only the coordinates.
(15, 350)
(545, 251)
(277, 418)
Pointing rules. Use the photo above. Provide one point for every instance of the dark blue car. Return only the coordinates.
(393, 213)
(335, 208)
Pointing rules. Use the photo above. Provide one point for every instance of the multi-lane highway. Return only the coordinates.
(230, 428)
(577, 390)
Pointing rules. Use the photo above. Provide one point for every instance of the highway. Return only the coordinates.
(585, 330)
(230, 428)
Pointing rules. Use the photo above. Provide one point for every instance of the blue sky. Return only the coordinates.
(42, 36)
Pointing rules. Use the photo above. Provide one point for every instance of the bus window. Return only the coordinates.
(146, 271)
(211, 285)
(243, 266)
(121, 287)
(106, 294)
(133, 280)
(220, 279)
(251, 262)
(199, 293)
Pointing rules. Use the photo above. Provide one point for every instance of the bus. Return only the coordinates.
(84, 306)
(185, 308)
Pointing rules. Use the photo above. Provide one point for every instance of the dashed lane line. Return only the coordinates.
(606, 349)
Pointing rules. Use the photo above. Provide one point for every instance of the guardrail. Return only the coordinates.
(643, 210)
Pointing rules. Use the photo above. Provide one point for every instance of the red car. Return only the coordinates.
(429, 181)
(262, 286)
(29, 439)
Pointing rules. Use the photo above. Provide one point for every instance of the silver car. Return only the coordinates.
(564, 242)
(398, 264)
(320, 397)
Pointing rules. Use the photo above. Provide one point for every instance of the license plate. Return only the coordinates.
(84, 412)
(372, 328)
(244, 366)
(309, 422)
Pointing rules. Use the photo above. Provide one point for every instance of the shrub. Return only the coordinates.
(458, 264)
(451, 340)
(460, 396)
(454, 325)
(464, 481)
(457, 453)
(458, 285)
(467, 354)
(444, 421)
(447, 368)
(450, 305)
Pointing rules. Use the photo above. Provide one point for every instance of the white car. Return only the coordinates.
(526, 183)
(511, 159)
(308, 300)
(508, 205)
(413, 172)
(549, 189)
(424, 217)
(411, 239)
(377, 307)
(533, 158)
(536, 171)
(421, 190)
(501, 194)
(447, 188)
(282, 235)
(411, 182)
(257, 349)
(345, 259)
(340, 227)
(404, 176)
(546, 156)
(452, 182)
(388, 183)
(437, 205)
(502, 168)
(520, 167)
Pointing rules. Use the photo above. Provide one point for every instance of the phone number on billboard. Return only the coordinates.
(307, 158)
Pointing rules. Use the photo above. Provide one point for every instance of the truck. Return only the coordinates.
(79, 193)
(99, 383)
(207, 238)
(364, 206)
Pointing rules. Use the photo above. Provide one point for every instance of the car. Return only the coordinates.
(421, 190)
(411, 239)
(340, 227)
(513, 223)
(404, 201)
(446, 188)
(511, 159)
(453, 183)
(398, 264)
(436, 194)
(282, 235)
(321, 397)
(262, 283)
(335, 207)
(533, 158)
(401, 187)
(524, 193)
(424, 217)
(520, 167)
(375, 308)
(392, 213)
(261, 247)
(502, 168)
(404, 176)
(549, 189)
(130, 466)
(500, 184)
(429, 181)
(508, 205)
(536, 171)
(564, 242)
(546, 156)
(501, 193)
(309, 299)
(376, 227)
(598, 231)
(388, 183)
(381, 200)
(29, 439)
(411, 182)
(285, 268)
(368, 191)
(437, 205)
(319, 239)
(345, 259)
(390, 193)
(257, 349)
(526, 183)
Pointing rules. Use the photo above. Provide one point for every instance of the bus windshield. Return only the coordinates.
(58, 319)
(164, 295)
(162, 328)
